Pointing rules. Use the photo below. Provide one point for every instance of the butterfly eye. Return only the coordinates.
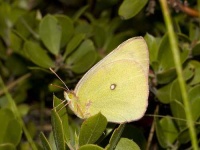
(113, 86)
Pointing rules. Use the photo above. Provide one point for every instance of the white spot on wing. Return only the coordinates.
(113, 86)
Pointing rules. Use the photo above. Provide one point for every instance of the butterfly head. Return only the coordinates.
(70, 96)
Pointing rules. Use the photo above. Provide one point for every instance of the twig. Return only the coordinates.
(152, 130)
(178, 5)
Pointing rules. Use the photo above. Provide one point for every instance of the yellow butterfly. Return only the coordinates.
(117, 86)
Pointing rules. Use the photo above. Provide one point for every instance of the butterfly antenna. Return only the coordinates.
(59, 78)
(59, 87)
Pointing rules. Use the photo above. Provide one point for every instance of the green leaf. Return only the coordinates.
(3, 51)
(175, 93)
(37, 55)
(84, 28)
(67, 28)
(166, 76)
(169, 129)
(138, 137)
(45, 143)
(27, 25)
(165, 56)
(80, 12)
(184, 54)
(107, 132)
(58, 131)
(61, 110)
(196, 68)
(52, 141)
(196, 49)
(160, 134)
(166, 69)
(23, 109)
(166, 131)
(7, 146)
(184, 136)
(130, 8)
(127, 144)
(170, 74)
(4, 103)
(50, 33)
(20, 65)
(5, 10)
(153, 45)
(163, 94)
(178, 111)
(73, 44)
(193, 31)
(115, 137)
(8, 17)
(83, 58)
(16, 43)
(100, 35)
(92, 129)
(11, 130)
(188, 71)
(194, 97)
(90, 147)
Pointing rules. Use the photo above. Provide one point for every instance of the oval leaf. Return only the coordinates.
(92, 129)
(138, 137)
(60, 108)
(165, 56)
(50, 33)
(159, 133)
(130, 8)
(163, 94)
(37, 55)
(73, 44)
(58, 131)
(83, 58)
(169, 130)
(7, 146)
(67, 28)
(11, 130)
(196, 78)
(178, 111)
(196, 50)
(153, 45)
(128, 144)
(194, 96)
(184, 136)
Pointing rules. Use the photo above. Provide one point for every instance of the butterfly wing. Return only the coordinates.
(134, 48)
(117, 86)
(118, 90)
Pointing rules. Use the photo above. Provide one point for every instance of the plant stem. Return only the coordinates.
(17, 115)
(175, 51)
